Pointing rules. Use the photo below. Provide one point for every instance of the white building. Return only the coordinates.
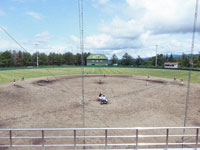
(171, 65)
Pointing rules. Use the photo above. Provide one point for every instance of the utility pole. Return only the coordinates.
(37, 59)
(156, 64)
(37, 55)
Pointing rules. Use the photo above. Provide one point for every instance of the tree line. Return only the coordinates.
(183, 61)
(19, 58)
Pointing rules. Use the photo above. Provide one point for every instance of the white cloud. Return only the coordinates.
(2, 13)
(45, 42)
(35, 15)
(98, 41)
(74, 38)
(160, 16)
(8, 45)
(20, 1)
(23, 1)
(65, 48)
(43, 37)
(57, 48)
(104, 42)
(103, 1)
(142, 24)
(107, 6)
(122, 29)
(100, 2)
(136, 27)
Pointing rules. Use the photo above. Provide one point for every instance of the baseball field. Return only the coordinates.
(52, 98)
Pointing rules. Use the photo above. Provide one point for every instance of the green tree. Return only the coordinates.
(26, 59)
(59, 59)
(114, 59)
(52, 59)
(68, 58)
(18, 58)
(127, 59)
(34, 59)
(195, 61)
(139, 61)
(166, 58)
(77, 59)
(185, 62)
(85, 55)
(198, 63)
(171, 58)
(6, 59)
(161, 59)
(43, 59)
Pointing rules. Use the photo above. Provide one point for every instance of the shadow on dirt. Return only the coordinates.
(44, 82)
(19, 86)
(159, 81)
(36, 141)
(3, 148)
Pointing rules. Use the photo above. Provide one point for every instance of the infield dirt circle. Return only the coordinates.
(56, 102)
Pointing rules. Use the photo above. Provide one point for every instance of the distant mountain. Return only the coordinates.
(147, 58)
(177, 56)
(174, 56)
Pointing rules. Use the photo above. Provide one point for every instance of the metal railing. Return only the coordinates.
(124, 135)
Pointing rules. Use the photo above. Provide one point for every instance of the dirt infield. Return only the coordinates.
(56, 102)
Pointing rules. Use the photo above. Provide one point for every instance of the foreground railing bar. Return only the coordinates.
(105, 144)
(150, 144)
(114, 136)
(103, 149)
(116, 149)
(71, 137)
(157, 144)
(80, 145)
(70, 129)
(120, 144)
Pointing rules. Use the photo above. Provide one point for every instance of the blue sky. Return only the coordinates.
(110, 26)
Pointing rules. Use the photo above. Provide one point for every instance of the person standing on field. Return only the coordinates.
(14, 82)
(182, 82)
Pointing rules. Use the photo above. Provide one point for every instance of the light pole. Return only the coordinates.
(156, 64)
(37, 60)
(37, 55)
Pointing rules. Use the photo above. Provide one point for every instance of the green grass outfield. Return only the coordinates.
(9, 75)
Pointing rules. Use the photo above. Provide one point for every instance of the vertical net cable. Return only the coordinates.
(10, 36)
(190, 69)
(80, 5)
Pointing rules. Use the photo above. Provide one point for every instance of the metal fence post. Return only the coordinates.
(74, 139)
(197, 138)
(10, 136)
(43, 147)
(136, 139)
(106, 138)
(167, 139)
